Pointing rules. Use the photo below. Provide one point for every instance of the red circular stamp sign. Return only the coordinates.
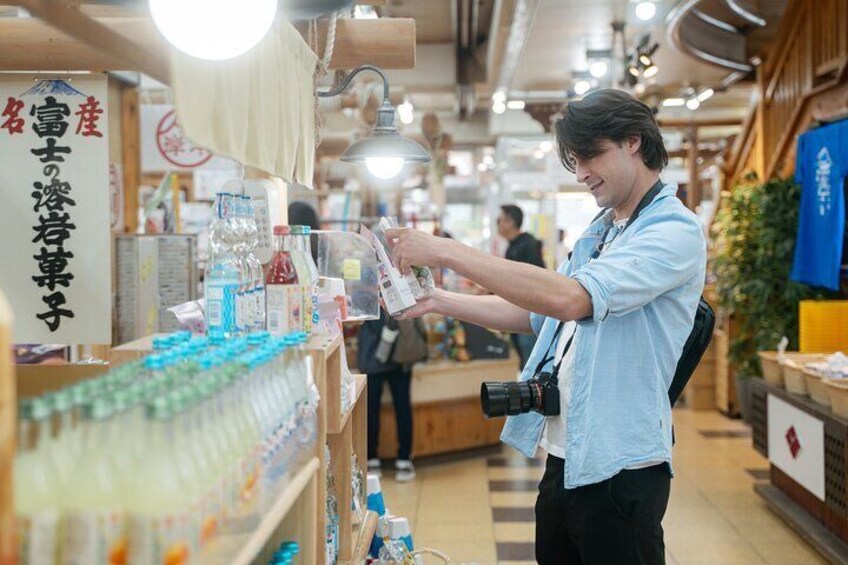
(175, 147)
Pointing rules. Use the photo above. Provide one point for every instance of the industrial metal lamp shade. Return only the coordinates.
(381, 144)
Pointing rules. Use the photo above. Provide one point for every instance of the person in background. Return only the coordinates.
(302, 214)
(562, 248)
(523, 248)
(376, 343)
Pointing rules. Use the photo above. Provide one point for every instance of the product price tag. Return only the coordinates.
(352, 269)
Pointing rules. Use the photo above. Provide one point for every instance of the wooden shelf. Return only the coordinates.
(363, 533)
(242, 548)
(361, 382)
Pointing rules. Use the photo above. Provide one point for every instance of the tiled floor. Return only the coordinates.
(479, 509)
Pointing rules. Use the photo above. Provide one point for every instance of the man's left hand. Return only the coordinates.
(414, 247)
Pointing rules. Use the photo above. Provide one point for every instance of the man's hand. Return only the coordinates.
(426, 305)
(414, 247)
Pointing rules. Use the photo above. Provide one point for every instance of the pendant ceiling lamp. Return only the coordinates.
(385, 151)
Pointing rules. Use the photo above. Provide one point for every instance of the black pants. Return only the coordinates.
(614, 522)
(399, 381)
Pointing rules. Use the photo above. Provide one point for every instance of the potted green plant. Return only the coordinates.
(754, 234)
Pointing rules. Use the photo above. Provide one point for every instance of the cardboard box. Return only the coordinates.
(33, 380)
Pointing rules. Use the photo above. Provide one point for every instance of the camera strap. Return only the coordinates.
(647, 199)
(551, 355)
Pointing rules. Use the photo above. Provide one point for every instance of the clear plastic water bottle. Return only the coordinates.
(257, 276)
(222, 272)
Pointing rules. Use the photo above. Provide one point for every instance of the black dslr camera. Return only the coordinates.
(509, 399)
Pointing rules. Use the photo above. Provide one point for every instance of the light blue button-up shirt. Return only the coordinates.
(645, 289)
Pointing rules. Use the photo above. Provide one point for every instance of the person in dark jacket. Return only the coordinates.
(523, 248)
(375, 360)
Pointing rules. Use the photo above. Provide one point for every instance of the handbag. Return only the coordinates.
(411, 345)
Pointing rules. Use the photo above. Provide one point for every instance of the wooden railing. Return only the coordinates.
(808, 61)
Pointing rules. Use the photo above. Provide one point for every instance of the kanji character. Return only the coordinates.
(52, 265)
(13, 123)
(54, 229)
(53, 196)
(89, 113)
(54, 316)
(50, 154)
(51, 118)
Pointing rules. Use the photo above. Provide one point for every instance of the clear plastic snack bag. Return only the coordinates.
(420, 279)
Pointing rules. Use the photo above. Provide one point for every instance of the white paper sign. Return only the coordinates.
(796, 444)
(164, 146)
(55, 218)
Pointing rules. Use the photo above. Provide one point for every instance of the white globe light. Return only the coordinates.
(598, 69)
(546, 146)
(693, 104)
(498, 107)
(213, 29)
(581, 87)
(646, 10)
(384, 167)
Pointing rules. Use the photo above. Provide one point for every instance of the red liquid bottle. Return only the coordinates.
(283, 300)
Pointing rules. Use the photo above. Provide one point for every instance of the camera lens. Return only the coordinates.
(506, 399)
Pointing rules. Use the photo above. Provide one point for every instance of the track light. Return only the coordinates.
(705, 95)
(515, 104)
(581, 87)
(672, 102)
(598, 69)
(693, 104)
(650, 71)
(646, 10)
(498, 107)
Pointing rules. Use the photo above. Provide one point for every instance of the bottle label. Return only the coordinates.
(160, 539)
(241, 311)
(277, 309)
(295, 307)
(221, 305)
(307, 309)
(94, 538)
(37, 538)
(259, 307)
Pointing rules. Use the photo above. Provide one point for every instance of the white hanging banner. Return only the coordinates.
(55, 219)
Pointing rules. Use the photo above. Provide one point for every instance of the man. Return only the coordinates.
(614, 319)
(524, 248)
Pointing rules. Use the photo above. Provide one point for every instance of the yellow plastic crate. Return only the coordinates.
(823, 326)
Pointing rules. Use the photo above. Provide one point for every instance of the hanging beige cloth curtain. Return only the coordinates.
(258, 108)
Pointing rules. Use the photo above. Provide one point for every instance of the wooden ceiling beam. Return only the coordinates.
(66, 17)
(710, 122)
(388, 43)
(29, 44)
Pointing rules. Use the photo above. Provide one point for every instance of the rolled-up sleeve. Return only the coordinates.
(661, 256)
(536, 321)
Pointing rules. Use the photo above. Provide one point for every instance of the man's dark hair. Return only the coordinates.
(515, 213)
(608, 114)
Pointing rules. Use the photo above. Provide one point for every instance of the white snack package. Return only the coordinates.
(396, 293)
(420, 279)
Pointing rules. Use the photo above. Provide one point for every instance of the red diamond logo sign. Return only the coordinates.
(793, 442)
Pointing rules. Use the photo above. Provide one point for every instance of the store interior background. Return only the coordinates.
(488, 78)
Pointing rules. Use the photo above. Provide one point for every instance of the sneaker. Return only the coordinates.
(404, 470)
(375, 467)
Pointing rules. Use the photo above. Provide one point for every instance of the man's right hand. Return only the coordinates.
(426, 305)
